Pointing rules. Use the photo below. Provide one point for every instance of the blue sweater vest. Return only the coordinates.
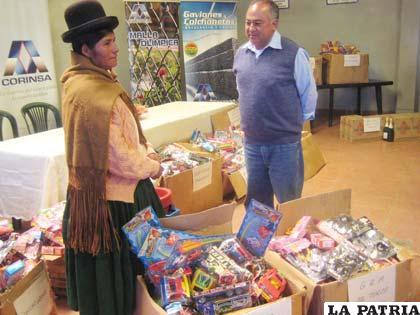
(271, 111)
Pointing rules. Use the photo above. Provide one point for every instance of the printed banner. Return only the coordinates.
(153, 36)
(26, 59)
(209, 34)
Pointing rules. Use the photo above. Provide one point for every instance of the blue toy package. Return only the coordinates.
(138, 228)
(187, 251)
(258, 227)
(159, 244)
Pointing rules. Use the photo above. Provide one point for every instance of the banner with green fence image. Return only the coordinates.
(153, 43)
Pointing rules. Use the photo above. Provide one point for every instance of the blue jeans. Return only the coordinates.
(276, 168)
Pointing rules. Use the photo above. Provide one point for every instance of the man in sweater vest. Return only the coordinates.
(277, 93)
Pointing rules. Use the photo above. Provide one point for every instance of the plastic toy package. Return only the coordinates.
(224, 299)
(225, 269)
(188, 250)
(344, 261)
(301, 227)
(203, 281)
(321, 241)
(159, 244)
(176, 308)
(272, 285)
(312, 262)
(200, 140)
(138, 228)
(344, 227)
(50, 218)
(375, 245)
(175, 288)
(258, 227)
(236, 251)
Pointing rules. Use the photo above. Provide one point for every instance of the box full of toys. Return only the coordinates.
(195, 265)
(338, 257)
(24, 282)
(195, 178)
(226, 128)
(344, 63)
(48, 221)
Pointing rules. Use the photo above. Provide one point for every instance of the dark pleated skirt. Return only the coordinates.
(105, 284)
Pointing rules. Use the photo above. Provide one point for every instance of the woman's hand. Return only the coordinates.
(154, 156)
(159, 173)
(140, 109)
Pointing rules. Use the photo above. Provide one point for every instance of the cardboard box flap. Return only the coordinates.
(238, 183)
(313, 158)
(220, 121)
(321, 206)
(143, 298)
(198, 221)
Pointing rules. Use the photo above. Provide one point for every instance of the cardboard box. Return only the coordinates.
(336, 71)
(219, 221)
(186, 192)
(316, 65)
(352, 128)
(234, 183)
(312, 156)
(325, 206)
(223, 120)
(31, 295)
(406, 125)
(239, 183)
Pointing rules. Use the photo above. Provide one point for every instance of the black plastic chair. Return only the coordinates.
(37, 114)
(13, 124)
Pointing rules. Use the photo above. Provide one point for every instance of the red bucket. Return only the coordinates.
(165, 195)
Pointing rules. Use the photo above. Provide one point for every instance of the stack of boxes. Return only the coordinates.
(56, 269)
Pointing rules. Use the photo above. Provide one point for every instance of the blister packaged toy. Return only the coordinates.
(175, 288)
(344, 261)
(258, 227)
(236, 251)
(187, 251)
(138, 228)
(225, 269)
(159, 244)
(222, 298)
(272, 285)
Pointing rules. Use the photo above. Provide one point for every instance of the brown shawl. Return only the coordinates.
(88, 95)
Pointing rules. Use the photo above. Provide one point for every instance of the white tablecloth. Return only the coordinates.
(33, 171)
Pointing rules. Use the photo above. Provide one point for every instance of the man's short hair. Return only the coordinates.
(274, 9)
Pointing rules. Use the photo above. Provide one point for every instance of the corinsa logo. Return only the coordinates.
(24, 65)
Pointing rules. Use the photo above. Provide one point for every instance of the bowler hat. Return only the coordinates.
(86, 16)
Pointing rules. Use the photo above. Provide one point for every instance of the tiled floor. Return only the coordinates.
(385, 182)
